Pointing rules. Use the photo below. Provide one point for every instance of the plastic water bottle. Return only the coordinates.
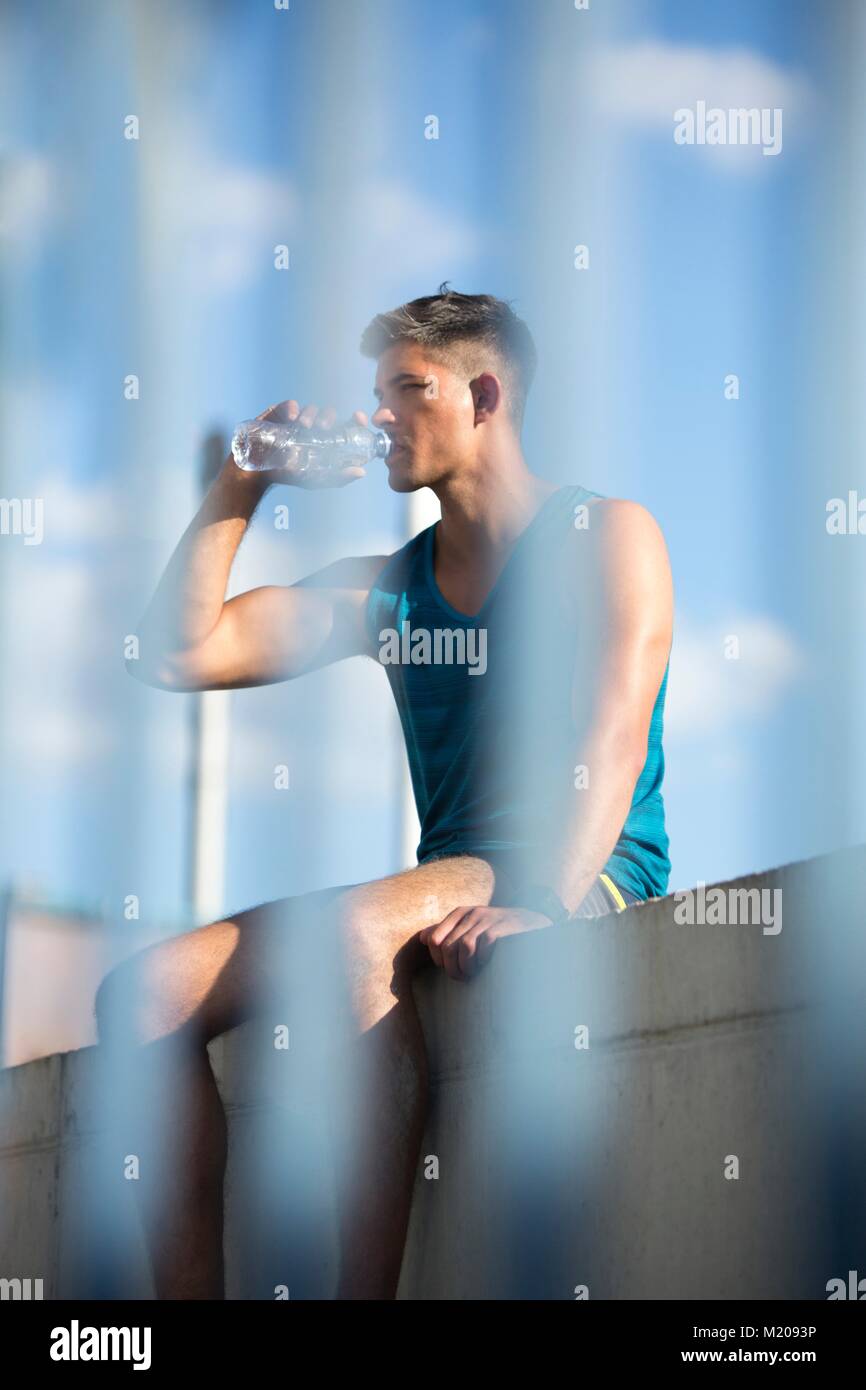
(264, 444)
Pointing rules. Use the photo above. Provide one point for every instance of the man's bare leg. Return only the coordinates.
(389, 1084)
(164, 1105)
(191, 988)
(182, 1163)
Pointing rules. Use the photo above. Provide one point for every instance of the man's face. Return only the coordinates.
(428, 411)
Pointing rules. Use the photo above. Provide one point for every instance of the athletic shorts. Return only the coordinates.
(605, 896)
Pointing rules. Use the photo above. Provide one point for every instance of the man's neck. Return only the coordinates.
(484, 512)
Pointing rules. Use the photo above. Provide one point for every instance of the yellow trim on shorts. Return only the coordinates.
(617, 896)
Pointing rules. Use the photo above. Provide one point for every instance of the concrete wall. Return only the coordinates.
(557, 1166)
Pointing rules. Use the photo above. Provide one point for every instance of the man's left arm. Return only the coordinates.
(622, 567)
(619, 666)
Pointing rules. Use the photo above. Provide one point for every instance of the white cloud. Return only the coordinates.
(228, 218)
(224, 219)
(644, 83)
(709, 692)
(52, 635)
(412, 235)
(39, 465)
(76, 513)
(28, 202)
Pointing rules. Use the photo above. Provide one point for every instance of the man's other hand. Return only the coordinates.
(464, 940)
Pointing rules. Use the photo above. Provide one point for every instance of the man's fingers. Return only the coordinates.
(485, 946)
(449, 939)
(349, 474)
(457, 947)
(462, 942)
(475, 948)
(438, 931)
(434, 935)
(341, 478)
(287, 411)
(281, 411)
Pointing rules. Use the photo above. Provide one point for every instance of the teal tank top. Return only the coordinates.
(485, 704)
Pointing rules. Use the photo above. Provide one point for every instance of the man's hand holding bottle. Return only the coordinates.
(286, 444)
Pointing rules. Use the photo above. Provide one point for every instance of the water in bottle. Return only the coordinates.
(305, 452)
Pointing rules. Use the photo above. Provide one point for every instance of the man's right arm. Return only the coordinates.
(191, 638)
(276, 632)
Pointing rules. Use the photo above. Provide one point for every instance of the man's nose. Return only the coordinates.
(383, 416)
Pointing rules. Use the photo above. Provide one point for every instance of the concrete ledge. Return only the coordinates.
(545, 1166)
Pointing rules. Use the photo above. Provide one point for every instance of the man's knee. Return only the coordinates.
(376, 925)
(166, 990)
(118, 1006)
(135, 1005)
(361, 939)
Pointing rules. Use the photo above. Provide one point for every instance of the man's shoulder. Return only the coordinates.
(620, 539)
(621, 518)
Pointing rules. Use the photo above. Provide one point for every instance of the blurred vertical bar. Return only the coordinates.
(208, 767)
(834, 416)
(6, 664)
(560, 191)
(422, 511)
(6, 898)
(338, 112)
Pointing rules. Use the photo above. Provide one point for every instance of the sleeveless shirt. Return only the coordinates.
(485, 703)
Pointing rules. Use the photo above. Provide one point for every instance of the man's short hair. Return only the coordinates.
(469, 333)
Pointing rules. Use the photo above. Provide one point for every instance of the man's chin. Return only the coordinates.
(402, 482)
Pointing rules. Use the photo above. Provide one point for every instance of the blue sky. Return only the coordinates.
(306, 127)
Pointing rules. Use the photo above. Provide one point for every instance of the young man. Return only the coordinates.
(537, 769)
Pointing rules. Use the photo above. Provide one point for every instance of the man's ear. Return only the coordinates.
(486, 393)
